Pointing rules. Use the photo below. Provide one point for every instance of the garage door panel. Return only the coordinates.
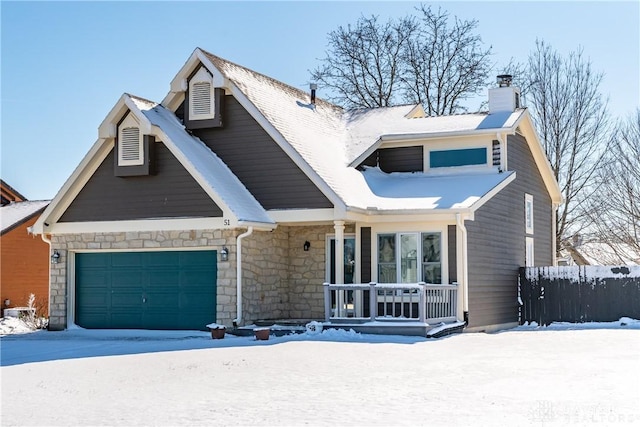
(162, 278)
(197, 278)
(150, 290)
(96, 297)
(127, 259)
(126, 299)
(166, 260)
(127, 278)
(92, 260)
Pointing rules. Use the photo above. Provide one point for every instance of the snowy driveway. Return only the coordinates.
(528, 376)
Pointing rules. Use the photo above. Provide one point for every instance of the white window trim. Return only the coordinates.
(444, 261)
(202, 76)
(458, 144)
(528, 213)
(130, 122)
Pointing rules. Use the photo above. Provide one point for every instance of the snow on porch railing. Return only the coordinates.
(390, 301)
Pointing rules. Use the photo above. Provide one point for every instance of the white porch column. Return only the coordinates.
(338, 227)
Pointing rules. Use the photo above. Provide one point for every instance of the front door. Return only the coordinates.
(345, 302)
(349, 267)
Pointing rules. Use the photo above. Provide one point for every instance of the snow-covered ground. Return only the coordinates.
(563, 374)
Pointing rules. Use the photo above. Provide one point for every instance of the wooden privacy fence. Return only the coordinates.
(579, 294)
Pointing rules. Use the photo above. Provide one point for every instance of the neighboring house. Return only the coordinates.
(598, 253)
(24, 258)
(235, 198)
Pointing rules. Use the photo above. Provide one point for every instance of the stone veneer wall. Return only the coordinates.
(210, 239)
(280, 279)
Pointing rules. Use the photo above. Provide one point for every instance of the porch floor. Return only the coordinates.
(280, 327)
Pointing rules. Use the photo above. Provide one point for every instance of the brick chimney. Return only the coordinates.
(504, 98)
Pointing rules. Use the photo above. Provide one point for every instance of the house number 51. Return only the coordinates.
(226, 222)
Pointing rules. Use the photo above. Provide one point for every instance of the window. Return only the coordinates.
(409, 258)
(528, 213)
(130, 147)
(201, 96)
(529, 260)
(462, 157)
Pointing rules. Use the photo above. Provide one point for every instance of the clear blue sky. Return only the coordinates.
(65, 64)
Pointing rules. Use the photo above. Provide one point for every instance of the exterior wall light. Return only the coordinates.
(224, 254)
(7, 302)
(55, 258)
(306, 246)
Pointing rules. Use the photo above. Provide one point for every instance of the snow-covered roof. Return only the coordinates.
(16, 212)
(367, 127)
(328, 139)
(601, 253)
(201, 161)
(419, 191)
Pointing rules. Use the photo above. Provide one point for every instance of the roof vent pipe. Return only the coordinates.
(504, 80)
(313, 87)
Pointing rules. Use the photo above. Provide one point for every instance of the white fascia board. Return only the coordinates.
(535, 145)
(107, 128)
(173, 224)
(72, 186)
(179, 84)
(302, 216)
(495, 190)
(408, 216)
(258, 226)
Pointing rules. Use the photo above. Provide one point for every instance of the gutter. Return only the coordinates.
(465, 273)
(238, 319)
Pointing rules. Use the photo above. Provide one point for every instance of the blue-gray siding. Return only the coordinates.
(496, 240)
(171, 192)
(255, 158)
(401, 159)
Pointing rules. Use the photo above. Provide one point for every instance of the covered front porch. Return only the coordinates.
(415, 309)
(393, 308)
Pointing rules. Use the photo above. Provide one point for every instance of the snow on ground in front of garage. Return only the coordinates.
(563, 374)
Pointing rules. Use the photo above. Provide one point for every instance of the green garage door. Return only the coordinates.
(146, 290)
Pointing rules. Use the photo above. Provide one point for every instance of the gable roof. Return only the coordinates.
(16, 213)
(9, 194)
(208, 170)
(325, 141)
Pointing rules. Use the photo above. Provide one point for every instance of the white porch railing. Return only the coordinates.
(422, 302)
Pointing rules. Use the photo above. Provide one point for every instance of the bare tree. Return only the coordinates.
(445, 64)
(570, 115)
(616, 205)
(420, 59)
(363, 64)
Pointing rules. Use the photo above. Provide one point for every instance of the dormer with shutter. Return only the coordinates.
(203, 102)
(132, 149)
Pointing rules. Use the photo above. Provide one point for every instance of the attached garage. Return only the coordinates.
(145, 290)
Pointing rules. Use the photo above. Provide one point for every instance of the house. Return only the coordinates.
(579, 252)
(239, 198)
(24, 258)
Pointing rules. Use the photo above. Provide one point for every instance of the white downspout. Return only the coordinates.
(239, 274)
(48, 241)
(465, 282)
